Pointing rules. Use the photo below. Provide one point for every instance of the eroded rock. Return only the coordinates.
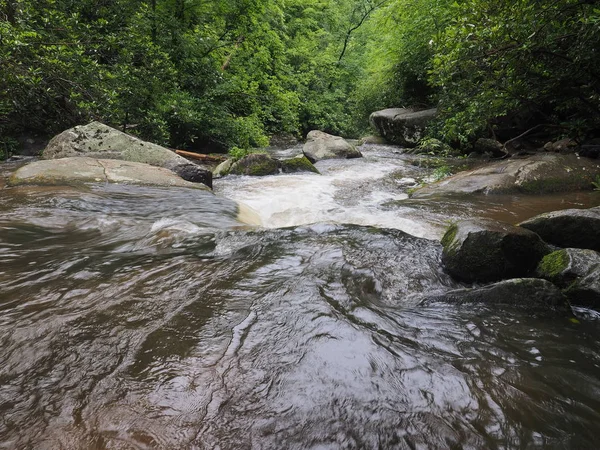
(402, 126)
(79, 170)
(96, 140)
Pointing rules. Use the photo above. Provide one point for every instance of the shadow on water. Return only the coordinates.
(143, 318)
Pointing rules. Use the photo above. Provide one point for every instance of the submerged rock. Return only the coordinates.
(96, 140)
(577, 271)
(402, 126)
(68, 171)
(575, 228)
(487, 250)
(538, 174)
(528, 293)
(321, 145)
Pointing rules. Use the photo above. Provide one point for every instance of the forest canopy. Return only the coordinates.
(218, 74)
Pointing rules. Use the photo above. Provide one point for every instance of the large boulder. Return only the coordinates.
(69, 171)
(538, 174)
(297, 164)
(255, 164)
(402, 126)
(575, 270)
(96, 140)
(575, 228)
(321, 145)
(487, 250)
(528, 293)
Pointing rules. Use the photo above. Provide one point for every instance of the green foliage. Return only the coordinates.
(434, 147)
(512, 65)
(237, 153)
(596, 183)
(399, 53)
(8, 146)
(186, 73)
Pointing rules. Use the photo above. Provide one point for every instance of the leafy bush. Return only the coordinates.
(509, 66)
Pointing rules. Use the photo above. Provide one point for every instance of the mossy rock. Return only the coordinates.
(487, 250)
(298, 164)
(577, 271)
(256, 165)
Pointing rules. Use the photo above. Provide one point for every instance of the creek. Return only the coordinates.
(148, 318)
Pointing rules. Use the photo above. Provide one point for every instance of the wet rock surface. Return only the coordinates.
(321, 146)
(575, 228)
(530, 294)
(80, 170)
(487, 250)
(577, 272)
(96, 140)
(538, 174)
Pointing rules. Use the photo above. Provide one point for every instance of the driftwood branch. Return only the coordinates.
(200, 156)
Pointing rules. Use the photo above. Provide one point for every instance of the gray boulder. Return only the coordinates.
(223, 169)
(80, 170)
(402, 126)
(487, 250)
(574, 228)
(538, 174)
(255, 164)
(96, 140)
(528, 293)
(577, 271)
(321, 145)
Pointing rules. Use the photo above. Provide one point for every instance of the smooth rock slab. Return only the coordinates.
(569, 228)
(321, 145)
(529, 293)
(538, 174)
(80, 170)
(487, 250)
(96, 140)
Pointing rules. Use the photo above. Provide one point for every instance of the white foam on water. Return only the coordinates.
(346, 192)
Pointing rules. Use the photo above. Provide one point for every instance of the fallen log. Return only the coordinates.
(200, 156)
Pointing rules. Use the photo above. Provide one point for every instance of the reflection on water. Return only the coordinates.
(141, 318)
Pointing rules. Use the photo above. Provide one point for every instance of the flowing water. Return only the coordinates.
(146, 318)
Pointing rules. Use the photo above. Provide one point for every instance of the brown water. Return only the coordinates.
(141, 318)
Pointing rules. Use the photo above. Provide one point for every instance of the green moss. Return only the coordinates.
(298, 165)
(255, 165)
(553, 264)
(547, 185)
(449, 237)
